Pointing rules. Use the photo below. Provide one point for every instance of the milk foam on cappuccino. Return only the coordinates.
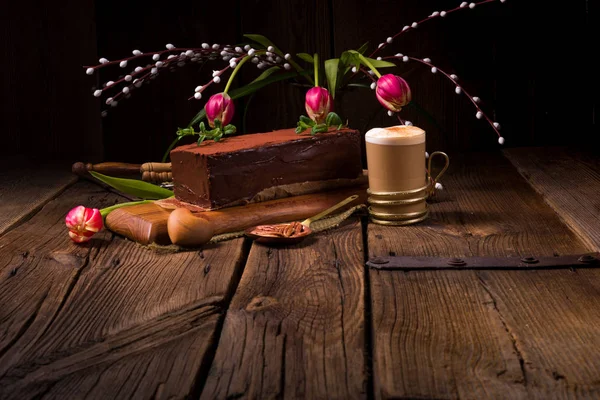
(401, 135)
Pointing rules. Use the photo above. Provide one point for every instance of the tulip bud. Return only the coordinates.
(83, 223)
(318, 104)
(219, 106)
(393, 92)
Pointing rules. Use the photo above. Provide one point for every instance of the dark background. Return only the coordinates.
(530, 62)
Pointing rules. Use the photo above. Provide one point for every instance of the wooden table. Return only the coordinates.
(112, 319)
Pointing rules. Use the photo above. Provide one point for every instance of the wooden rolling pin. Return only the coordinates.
(149, 223)
(153, 172)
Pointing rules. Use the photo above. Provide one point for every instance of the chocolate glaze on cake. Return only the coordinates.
(216, 174)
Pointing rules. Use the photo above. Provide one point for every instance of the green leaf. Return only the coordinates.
(134, 187)
(331, 71)
(260, 39)
(307, 121)
(264, 41)
(253, 87)
(217, 123)
(198, 117)
(201, 139)
(306, 57)
(380, 63)
(350, 58)
(299, 129)
(230, 129)
(363, 48)
(320, 128)
(266, 74)
(333, 119)
(202, 127)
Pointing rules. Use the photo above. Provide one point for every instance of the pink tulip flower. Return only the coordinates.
(393, 92)
(83, 223)
(219, 106)
(318, 104)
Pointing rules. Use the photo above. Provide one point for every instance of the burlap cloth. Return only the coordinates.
(279, 192)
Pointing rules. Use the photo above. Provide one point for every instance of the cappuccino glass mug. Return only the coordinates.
(399, 182)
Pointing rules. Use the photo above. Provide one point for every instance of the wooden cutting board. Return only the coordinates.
(147, 223)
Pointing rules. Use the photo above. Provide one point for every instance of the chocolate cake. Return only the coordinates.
(217, 174)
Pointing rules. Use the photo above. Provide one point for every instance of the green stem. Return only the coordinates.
(105, 211)
(316, 63)
(368, 64)
(237, 68)
(166, 155)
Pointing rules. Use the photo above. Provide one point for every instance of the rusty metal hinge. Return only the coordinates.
(591, 260)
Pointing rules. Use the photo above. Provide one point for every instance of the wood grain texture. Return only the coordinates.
(23, 191)
(437, 336)
(569, 181)
(108, 316)
(553, 318)
(440, 334)
(295, 327)
(485, 209)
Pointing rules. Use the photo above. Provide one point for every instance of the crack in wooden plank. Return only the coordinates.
(512, 337)
(368, 314)
(206, 364)
(337, 266)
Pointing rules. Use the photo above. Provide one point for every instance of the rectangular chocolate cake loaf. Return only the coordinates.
(217, 174)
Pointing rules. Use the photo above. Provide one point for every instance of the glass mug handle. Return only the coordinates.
(432, 180)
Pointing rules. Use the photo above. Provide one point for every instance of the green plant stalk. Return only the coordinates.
(173, 143)
(105, 211)
(316, 64)
(368, 64)
(234, 73)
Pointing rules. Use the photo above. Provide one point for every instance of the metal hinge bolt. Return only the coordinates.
(456, 262)
(588, 259)
(530, 260)
(379, 260)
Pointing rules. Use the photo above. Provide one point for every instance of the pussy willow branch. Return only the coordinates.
(429, 64)
(414, 25)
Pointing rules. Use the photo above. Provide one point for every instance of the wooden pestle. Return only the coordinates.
(189, 230)
(153, 172)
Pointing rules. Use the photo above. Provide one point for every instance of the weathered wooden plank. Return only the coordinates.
(486, 209)
(438, 334)
(25, 190)
(553, 317)
(109, 316)
(569, 181)
(295, 327)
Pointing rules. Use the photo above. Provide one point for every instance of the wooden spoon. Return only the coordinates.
(290, 233)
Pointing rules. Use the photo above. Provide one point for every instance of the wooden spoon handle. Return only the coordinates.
(107, 168)
(276, 211)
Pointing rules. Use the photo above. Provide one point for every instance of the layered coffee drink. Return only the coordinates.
(397, 174)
